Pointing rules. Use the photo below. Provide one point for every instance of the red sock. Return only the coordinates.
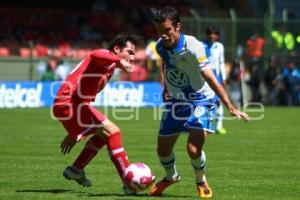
(117, 152)
(90, 150)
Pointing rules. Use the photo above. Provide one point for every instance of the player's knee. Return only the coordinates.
(194, 152)
(109, 128)
(105, 132)
(111, 132)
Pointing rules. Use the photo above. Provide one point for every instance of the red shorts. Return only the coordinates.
(80, 119)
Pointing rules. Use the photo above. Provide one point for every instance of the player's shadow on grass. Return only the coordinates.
(133, 196)
(124, 196)
(53, 191)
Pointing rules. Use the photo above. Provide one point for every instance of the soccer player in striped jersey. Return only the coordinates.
(215, 53)
(72, 108)
(189, 95)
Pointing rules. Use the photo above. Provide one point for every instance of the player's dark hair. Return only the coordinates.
(121, 40)
(167, 13)
(212, 30)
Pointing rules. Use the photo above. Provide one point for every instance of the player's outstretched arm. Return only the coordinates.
(210, 78)
(104, 55)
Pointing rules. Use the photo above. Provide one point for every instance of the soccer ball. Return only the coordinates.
(137, 177)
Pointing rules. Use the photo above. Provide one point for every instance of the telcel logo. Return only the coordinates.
(20, 97)
(120, 95)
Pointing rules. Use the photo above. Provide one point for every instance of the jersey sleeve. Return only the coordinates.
(104, 56)
(198, 49)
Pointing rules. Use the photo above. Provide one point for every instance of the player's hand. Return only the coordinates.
(239, 114)
(67, 144)
(126, 66)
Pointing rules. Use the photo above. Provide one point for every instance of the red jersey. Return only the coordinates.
(89, 77)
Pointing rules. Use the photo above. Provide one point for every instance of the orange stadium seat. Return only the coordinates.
(4, 51)
(25, 52)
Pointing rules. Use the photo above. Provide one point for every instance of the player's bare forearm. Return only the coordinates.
(210, 78)
(165, 94)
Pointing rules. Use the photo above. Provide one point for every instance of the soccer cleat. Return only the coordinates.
(158, 188)
(70, 174)
(204, 190)
(221, 131)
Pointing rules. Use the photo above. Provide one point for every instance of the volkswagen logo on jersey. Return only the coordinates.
(178, 78)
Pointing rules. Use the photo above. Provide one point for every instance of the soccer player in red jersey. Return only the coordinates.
(72, 108)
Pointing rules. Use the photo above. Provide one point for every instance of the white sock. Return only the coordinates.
(199, 166)
(220, 116)
(202, 181)
(168, 164)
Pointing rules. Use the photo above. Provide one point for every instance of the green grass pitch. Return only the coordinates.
(258, 160)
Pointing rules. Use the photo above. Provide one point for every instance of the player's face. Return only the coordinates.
(213, 37)
(127, 53)
(168, 33)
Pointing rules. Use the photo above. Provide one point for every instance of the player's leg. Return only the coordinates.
(113, 137)
(171, 125)
(82, 121)
(165, 145)
(199, 125)
(195, 143)
(91, 119)
(220, 110)
(220, 115)
(93, 145)
(76, 170)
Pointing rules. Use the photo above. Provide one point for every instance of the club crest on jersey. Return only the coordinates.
(178, 78)
(199, 111)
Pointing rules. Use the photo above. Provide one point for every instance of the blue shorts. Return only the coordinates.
(180, 116)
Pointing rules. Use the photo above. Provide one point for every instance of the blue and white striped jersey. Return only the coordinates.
(182, 68)
(215, 54)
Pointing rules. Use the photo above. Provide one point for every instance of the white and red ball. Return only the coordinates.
(138, 177)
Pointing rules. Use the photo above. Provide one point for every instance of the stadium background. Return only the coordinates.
(36, 33)
(259, 160)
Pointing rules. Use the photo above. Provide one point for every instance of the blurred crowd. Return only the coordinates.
(273, 80)
(74, 31)
(275, 85)
(73, 27)
(56, 33)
